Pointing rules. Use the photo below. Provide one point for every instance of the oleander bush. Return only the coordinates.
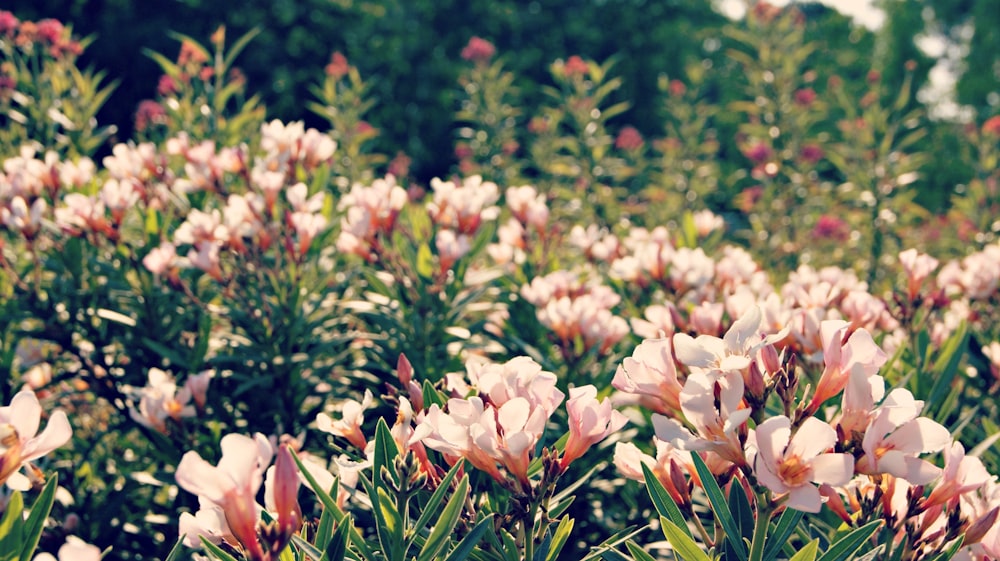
(252, 339)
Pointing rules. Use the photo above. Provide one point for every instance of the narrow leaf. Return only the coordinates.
(847, 546)
(471, 540)
(664, 503)
(683, 545)
(719, 506)
(216, 551)
(35, 523)
(11, 528)
(807, 553)
(786, 525)
(446, 522)
(559, 538)
(638, 553)
(430, 510)
(331, 505)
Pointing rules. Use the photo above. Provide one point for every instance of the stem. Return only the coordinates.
(764, 513)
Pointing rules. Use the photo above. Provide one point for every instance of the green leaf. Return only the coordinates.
(11, 528)
(385, 452)
(306, 548)
(613, 555)
(175, 552)
(336, 549)
(683, 545)
(559, 538)
(425, 261)
(35, 523)
(431, 395)
(471, 540)
(786, 525)
(807, 553)
(385, 535)
(638, 553)
(430, 510)
(720, 508)
(216, 551)
(946, 366)
(446, 522)
(847, 546)
(330, 505)
(739, 506)
(664, 503)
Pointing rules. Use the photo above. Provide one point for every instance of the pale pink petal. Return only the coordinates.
(57, 432)
(689, 352)
(805, 498)
(772, 438)
(201, 478)
(913, 470)
(25, 414)
(832, 469)
(812, 439)
(743, 330)
(921, 435)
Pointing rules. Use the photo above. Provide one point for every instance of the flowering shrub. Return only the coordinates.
(272, 344)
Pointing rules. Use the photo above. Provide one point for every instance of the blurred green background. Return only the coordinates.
(409, 51)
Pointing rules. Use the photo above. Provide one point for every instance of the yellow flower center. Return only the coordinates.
(794, 472)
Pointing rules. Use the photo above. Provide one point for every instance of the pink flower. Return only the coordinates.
(668, 466)
(962, 474)
(19, 444)
(843, 351)
(831, 228)
(590, 421)
(575, 66)
(232, 485)
(651, 373)
(352, 417)
(918, 267)
(629, 139)
(478, 50)
(197, 386)
(711, 405)
(790, 465)
(897, 435)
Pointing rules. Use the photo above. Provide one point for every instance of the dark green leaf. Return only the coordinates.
(848, 545)
(664, 503)
(720, 508)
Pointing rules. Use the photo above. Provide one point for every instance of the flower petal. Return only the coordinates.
(812, 439)
(832, 469)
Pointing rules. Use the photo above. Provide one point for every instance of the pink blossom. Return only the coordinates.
(349, 425)
(20, 442)
(897, 435)
(918, 267)
(463, 207)
(962, 474)
(712, 406)
(232, 485)
(161, 260)
(19, 218)
(790, 465)
(197, 386)
(478, 50)
(160, 400)
(528, 206)
(451, 247)
(843, 351)
(590, 421)
(650, 373)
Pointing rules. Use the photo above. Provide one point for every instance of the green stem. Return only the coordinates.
(764, 513)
